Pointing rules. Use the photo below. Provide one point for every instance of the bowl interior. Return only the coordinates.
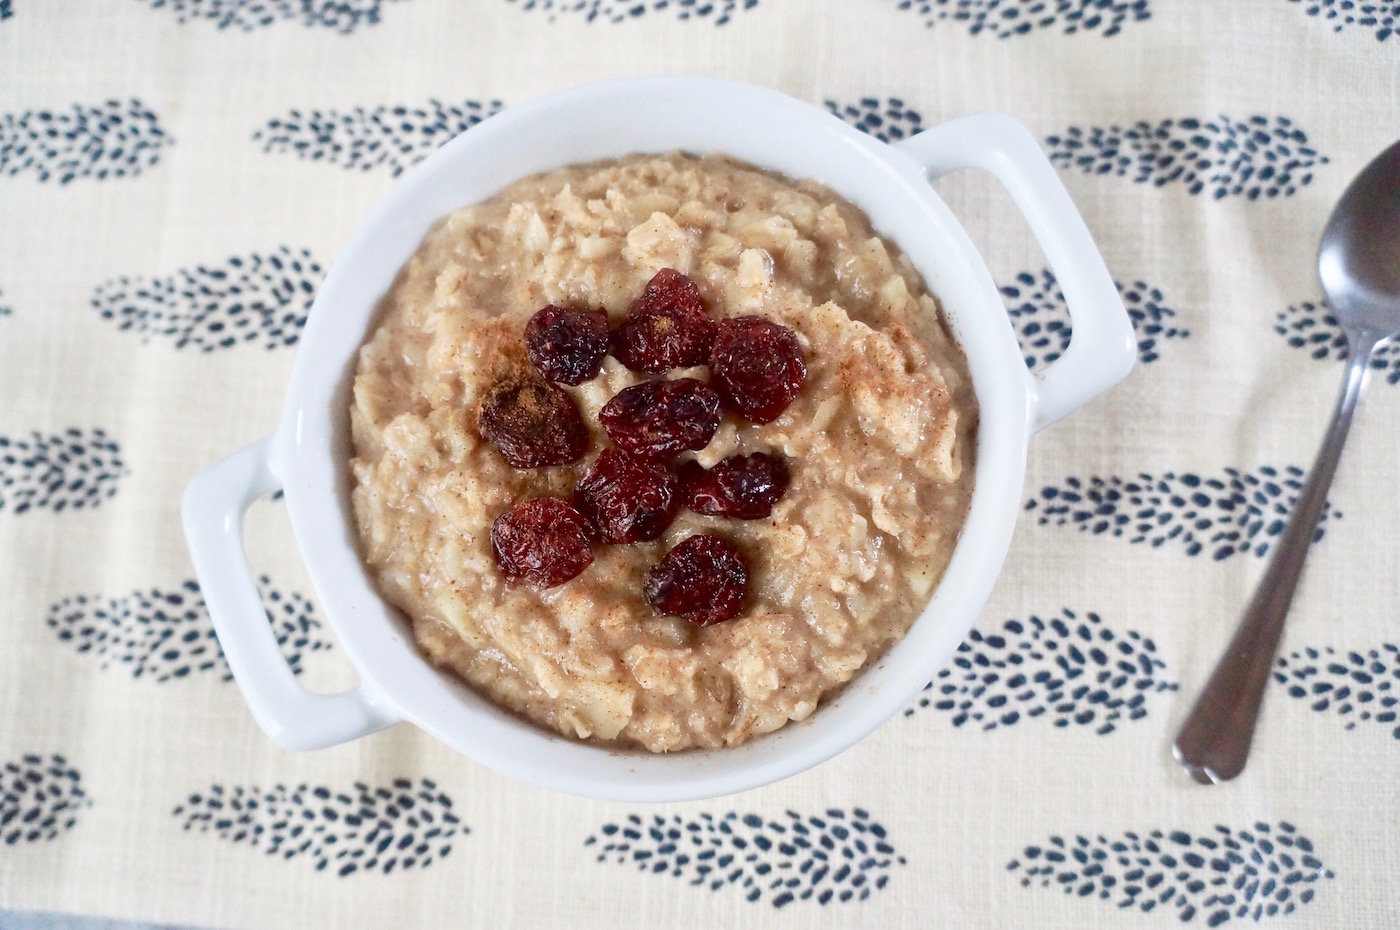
(602, 121)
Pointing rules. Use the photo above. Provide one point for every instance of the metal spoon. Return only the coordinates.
(1359, 264)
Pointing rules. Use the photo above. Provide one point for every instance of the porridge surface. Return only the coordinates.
(879, 444)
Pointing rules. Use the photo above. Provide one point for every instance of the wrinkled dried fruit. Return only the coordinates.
(757, 367)
(702, 580)
(542, 543)
(567, 346)
(742, 486)
(661, 419)
(666, 327)
(532, 423)
(626, 499)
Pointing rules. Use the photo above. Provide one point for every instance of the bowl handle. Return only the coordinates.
(1103, 347)
(213, 509)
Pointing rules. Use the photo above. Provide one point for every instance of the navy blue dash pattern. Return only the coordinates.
(164, 635)
(836, 857)
(57, 471)
(401, 825)
(396, 137)
(888, 119)
(339, 15)
(1007, 18)
(1069, 670)
(1312, 327)
(40, 797)
(1235, 512)
(1259, 156)
(113, 139)
(718, 12)
(1243, 874)
(261, 298)
(1382, 18)
(5, 309)
(1354, 685)
(5, 11)
(1043, 326)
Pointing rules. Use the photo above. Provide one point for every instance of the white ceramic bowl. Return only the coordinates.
(308, 456)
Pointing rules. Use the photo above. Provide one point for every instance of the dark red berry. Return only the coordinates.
(626, 499)
(742, 486)
(667, 327)
(702, 580)
(757, 367)
(669, 289)
(532, 423)
(567, 346)
(661, 419)
(542, 543)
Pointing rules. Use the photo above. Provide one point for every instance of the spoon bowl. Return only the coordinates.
(1359, 262)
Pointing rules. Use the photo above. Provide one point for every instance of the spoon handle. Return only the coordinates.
(1214, 742)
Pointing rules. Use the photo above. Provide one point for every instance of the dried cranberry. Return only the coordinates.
(757, 367)
(661, 419)
(532, 423)
(742, 486)
(567, 346)
(666, 327)
(702, 580)
(626, 499)
(541, 542)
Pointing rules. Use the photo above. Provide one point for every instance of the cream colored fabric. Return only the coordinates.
(946, 814)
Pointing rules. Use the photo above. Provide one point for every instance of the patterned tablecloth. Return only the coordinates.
(176, 176)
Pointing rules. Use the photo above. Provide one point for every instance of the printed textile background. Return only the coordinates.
(176, 176)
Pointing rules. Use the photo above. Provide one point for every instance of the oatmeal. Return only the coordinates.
(865, 473)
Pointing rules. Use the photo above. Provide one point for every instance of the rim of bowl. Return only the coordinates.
(311, 452)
